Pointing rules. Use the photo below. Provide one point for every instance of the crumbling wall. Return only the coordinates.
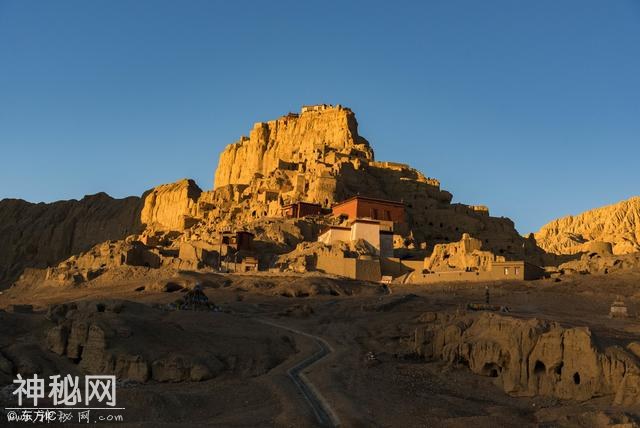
(464, 255)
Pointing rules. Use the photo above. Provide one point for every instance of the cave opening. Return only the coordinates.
(539, 368)
(77, 359)
(491, 370)
(576, 378)
(558, 369)
(462, 361)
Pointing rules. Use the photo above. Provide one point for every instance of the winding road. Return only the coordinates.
(319, 405)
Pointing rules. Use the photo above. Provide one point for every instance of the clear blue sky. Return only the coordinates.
(530, 107)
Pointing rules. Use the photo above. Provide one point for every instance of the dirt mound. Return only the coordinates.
(303, 286)
(188, 280)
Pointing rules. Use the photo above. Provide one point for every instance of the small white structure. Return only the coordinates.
(367, 230)
(316, 107)
(618, 309)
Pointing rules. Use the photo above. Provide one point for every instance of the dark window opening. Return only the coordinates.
(558, 369)
(576, 378)
(539, 368)
(462, 361)
(79, 357)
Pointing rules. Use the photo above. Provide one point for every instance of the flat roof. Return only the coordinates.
(366, 198)
(365, 220)
(301, 203)
(337, 227)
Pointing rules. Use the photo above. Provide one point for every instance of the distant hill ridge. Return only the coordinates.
(618, 224)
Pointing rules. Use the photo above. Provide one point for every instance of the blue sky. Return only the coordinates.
(529, 107)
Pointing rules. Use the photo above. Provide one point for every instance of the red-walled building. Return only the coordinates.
(372, 208)
(301, 209)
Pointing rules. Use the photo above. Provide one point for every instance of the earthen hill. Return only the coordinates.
(314, 157)
(296, 195)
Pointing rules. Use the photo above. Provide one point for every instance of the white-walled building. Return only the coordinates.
(368, 230)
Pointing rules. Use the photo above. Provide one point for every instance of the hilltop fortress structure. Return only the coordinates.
(315, 164)
(318, 157)
(289, 183)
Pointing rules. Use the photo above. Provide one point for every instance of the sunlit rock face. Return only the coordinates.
(616, 226)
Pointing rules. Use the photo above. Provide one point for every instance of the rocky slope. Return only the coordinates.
(41, 235)
(136, 342)
(617, 224)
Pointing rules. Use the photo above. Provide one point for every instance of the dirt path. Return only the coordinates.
(319, 405)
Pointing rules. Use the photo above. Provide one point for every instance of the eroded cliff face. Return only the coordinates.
(41, 235)
(617, 224)
(171, 206)
(531, 357)
(292, 141)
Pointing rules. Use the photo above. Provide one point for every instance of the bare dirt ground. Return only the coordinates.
(354, 318)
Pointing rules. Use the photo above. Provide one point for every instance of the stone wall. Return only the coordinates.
(354, 268)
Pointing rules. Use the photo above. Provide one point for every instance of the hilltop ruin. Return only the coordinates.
(304, 163)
